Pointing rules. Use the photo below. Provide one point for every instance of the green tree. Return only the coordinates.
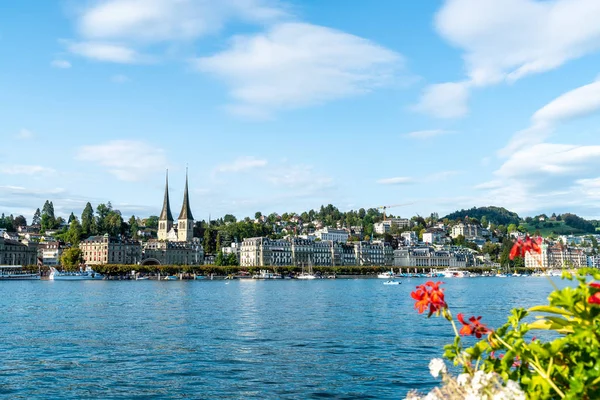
(257, 215)
(71, 258)
(208, 243)
(151, 222)
(102, 211)
(512, 228)
(133, 227)
(231, 259)
(71, 218)
(19, 221)
(74, 233)
(48, 220)
(229, 219)
(37, 217)
(219, 259)
(88, 222)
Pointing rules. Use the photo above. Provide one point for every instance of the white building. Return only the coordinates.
(434, 236)
(429, 257)
(386, 226)
(261, 251)
(50, 252)
(556, 257)
(469, 231)
(335, 235)
(410, 237)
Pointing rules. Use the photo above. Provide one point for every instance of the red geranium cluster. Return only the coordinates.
(429, 296)
(594, 298)
(473, 327)
(524, 246)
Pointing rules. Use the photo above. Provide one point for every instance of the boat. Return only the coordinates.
(87, 274)
(170, 278)
(392, 282)
(16, 273)
(386, 275)
(454, 273)
(141, 278)
(265, 274)
(200, 277)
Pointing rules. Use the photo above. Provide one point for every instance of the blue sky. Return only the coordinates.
(282, 106)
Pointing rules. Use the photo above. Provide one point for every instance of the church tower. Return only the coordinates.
(185, 228)
(165, 221)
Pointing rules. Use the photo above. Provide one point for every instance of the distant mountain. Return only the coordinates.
(495, 215)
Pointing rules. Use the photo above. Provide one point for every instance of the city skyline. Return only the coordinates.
(284, 106)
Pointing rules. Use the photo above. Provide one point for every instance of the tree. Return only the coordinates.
(71, 218)
(231, 259)
(229, 219)
(48, 221)
(103, 210)
(37, 217)
(19, 221)
(257, 215)
(152, 222)
(209, 247)
(218, 241)
(88, 223)
(219, 260)
(133, 227)
(484, 221)
(512, 228)
(74, 233)
(71, 258)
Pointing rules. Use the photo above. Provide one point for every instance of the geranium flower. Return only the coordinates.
(522, 247)
(473, 327)
(594, 298)
(429, 296)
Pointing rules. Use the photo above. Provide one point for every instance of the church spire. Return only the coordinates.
(165, 214)
(186, 212)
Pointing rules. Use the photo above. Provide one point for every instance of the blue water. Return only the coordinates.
(245, 339)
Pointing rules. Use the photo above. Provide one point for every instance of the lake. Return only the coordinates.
(344, 338)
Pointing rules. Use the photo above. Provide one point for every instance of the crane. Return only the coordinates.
(394, 205)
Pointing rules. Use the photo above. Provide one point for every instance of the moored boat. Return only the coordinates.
(16, 273)
(87, 274)
(392, 282)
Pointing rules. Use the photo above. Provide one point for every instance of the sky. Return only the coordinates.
(285, 105)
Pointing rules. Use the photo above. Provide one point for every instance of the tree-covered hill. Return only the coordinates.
(494, 215)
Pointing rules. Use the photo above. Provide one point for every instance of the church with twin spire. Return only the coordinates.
(175, 243)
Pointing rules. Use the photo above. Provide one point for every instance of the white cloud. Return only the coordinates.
(442, 175)
(107, 52)
(119, 78)
(297, 64)
(128, 160)
(399, 180)
(444, 100)
(579, 102)
(24, 170)
(427, 133)
(167, 20)
(506, 40)
(118, 30)
(241, 164)
(24, 134)
(63, 64)
(299, 177)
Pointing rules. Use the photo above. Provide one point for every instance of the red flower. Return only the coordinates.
(595, 285)
(521, 247)
(429, 296)
(473, 327)
(594, 299)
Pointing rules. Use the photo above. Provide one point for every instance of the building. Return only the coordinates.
(109, 250)
(386, 226)
(302, 251)
(262, 251)
(184, 230)
(556, 257)
(409, 237)
(430, 257)
(16, 253)
(434, 236)
(335, 235)
(172, 253)
(372, 253)
(469, 231)
(50, 253)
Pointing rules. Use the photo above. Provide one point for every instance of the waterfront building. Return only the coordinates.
(163, 252)
(469, 231)
(335, 235)
(50, 253)
(368, 253)
(261, 251)
(165, 221)
(431, 257)
(323, 253)
(104, 249)
(556, 257)
(13, 252)
(185, 222)
(302, 250)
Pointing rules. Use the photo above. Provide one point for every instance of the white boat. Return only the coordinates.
(87, 274)
(386, 275)
(141, 278)
(392, 283)
(16, 273)
(265, 274)
(455, 273)
(170, 278)
(306, 276)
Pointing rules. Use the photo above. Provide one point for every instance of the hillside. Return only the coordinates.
(494, 215)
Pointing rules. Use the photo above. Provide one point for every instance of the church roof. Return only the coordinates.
(186, 211)
(165, 214)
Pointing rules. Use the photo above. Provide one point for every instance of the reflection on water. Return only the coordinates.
(246, 339)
